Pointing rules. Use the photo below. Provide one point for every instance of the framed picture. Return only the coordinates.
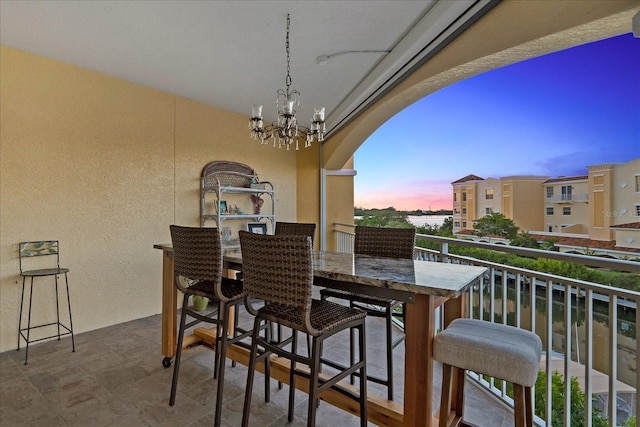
(257, 227)
(223, 207)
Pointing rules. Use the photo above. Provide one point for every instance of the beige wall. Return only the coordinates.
(482, 202)
(628, 238)
(526, 201)
(625, 196)
(613, 200)
(601, 203)
(464, 208)
(105, 166)
(578, 220)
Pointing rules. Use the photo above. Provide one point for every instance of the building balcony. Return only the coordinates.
(568, 198)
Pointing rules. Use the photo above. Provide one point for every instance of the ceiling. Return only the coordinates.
(231, 54)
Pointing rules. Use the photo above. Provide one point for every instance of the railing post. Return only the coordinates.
(444, 251)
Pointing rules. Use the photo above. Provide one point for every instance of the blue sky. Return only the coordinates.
(553, 116)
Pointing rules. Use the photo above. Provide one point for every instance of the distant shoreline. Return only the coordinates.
(423, 220)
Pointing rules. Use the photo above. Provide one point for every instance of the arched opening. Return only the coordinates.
(511, 32)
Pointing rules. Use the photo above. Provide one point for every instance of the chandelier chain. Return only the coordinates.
(288, 79)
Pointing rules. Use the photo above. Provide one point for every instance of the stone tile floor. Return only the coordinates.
(116, 378)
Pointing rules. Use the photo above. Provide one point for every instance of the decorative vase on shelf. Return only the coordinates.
(200, 303)
(257, 203)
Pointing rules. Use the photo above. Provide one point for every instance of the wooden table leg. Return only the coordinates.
(170, 314)
(455, 309)
(418, 376)
(169, 310)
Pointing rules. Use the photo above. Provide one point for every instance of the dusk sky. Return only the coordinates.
(552, 116)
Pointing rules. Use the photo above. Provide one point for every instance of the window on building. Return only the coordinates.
(488, 194)
(566, 192)
(550, 228)
(637, 183)
(637, 210)
(549, 192)
(464, 211)
(566, 210)
(456, 224)
(455, 197)
(488, 211)
(549, 211)
(464, 224)
(464, 196)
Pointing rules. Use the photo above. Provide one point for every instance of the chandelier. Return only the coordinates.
(286, 130)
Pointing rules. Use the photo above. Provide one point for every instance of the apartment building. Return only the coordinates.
(598, 212)
(516, 197)
(566, 205)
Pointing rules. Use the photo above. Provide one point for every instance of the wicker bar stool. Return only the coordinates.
(279, 271)
(388, 243)
(500, 351)
(198, 269)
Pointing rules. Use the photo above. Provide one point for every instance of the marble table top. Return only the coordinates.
(384, 277)
(390, 275)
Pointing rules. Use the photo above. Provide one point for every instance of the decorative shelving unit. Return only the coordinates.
(225, 195)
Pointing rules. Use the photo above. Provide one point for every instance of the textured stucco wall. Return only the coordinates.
(105, 166)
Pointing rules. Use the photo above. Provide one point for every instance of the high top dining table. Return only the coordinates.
(423, 285)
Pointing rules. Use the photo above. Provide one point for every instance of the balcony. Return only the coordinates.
(569, 198)
(116, 377)
(573, 319)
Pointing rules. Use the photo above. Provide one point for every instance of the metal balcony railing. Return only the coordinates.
(589, 331)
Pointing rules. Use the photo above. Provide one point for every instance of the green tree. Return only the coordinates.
(446, 229)
(549, 244)
(557, 401)
(525, 240)
(495, 224)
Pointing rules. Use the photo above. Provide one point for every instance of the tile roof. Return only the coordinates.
(630, 225)
(465, 231)
(586, 243)
(468, 178)
(566, 178)
(576, 241)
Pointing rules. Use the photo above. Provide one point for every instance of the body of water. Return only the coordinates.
(422, 220)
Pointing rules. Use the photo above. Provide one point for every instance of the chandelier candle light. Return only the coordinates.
(286, 130)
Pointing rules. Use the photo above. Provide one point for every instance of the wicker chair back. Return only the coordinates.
(296, 229)
(197, 257)
(279, 271)
(385, 242)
